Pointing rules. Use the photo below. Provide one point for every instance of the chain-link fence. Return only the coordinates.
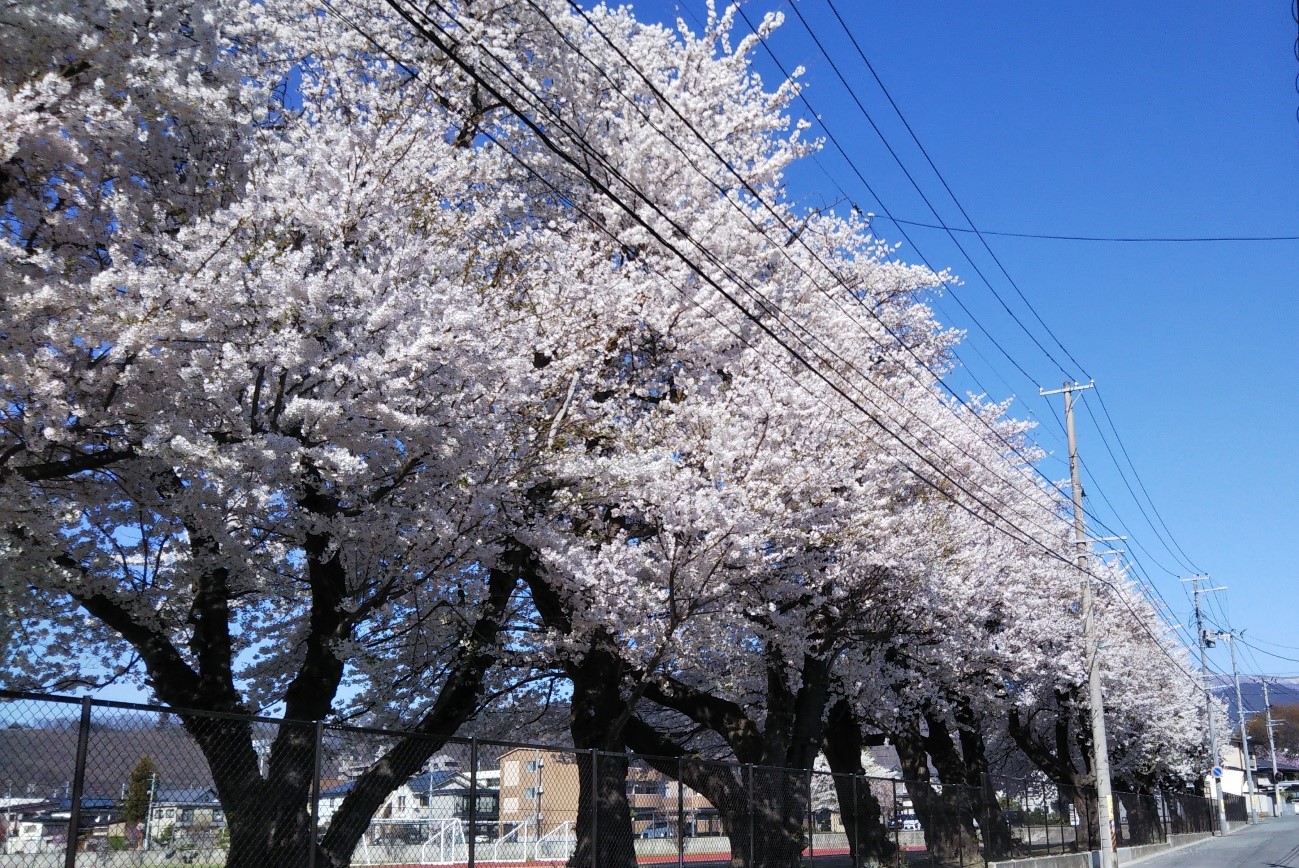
(119, 785)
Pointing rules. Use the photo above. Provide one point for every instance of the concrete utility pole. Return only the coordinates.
(148, 817)
(1271, 746)
(1096, 704)
(1244, 737)
(1214, 756)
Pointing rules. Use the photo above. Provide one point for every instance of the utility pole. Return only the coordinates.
(148, 817)
(1214, 757)
(1096, 703)
(1244, 737)
(1271, 746)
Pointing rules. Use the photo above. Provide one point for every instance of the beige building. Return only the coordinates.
(539, 793)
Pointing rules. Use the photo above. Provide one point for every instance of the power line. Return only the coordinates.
(1112, 239)
(1277, 644)
(1272, 654)
(879, 200)
(1141, 484)
(915, 138)
(447, 44)
(1128, 485)
(834, 140)
(943, 181)
(795, 233)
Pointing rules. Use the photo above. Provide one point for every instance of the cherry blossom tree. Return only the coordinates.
(257, 432)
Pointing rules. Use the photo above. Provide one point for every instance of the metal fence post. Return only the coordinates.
(78, 784)
(1167, 812)
(856, 825)
(472, 843)
(811, 819)
(753, 808)
(595, 807)
(681, 812)
(960, 837)
(897, 826)
(1046, 817)
(315, 795)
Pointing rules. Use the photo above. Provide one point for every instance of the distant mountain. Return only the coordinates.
(1284, 691)
(40, 760)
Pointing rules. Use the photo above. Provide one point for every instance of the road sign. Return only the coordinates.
(1217, 771)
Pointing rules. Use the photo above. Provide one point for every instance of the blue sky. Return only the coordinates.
(1112, 119)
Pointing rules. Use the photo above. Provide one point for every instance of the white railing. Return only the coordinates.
(442, 842)
(523, 844)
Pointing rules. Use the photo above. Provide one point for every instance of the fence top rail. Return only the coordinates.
(27, 696)
(20, 695)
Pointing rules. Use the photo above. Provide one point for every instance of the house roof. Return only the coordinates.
(437, 781)
(186, 796)
(338, 789)
(425, 781)
(1284, 763)
(91, 803)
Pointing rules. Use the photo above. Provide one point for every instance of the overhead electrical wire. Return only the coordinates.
(946, 187)
(1255, 664)
(1100, 397)
(1186, 565)
(862, 54)
(1004, 525)
(1277, 644)
(543, 136)
(758, 197)
(1264, 651)
(608, 193)
(879, 200)
(1111, 239)
(834, 66)
(834, 140)
(1148, 584)
(847, 157)
(1124, 600)
(843, 79)
(795, 233)
(932, 166)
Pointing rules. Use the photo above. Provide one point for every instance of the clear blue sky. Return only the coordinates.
(1101, 119)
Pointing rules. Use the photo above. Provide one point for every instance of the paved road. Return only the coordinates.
(1271, 844)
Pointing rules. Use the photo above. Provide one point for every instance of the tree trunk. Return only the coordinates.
(456, 703)
(945, 816)
(1143, 818)
(768, 829)
(762, 811)
(268, 818)
(605, 836)
(998, 843)
(1083, 799)
(863, 821)
(268, 815)
(1056, 762)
